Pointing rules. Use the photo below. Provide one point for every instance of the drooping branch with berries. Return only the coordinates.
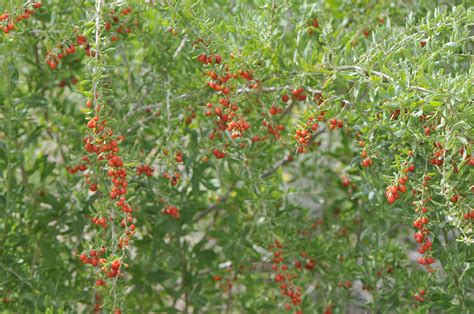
(106, 177)
(244, 156)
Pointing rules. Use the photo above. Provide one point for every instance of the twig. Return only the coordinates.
(98, 5)
(364, 71)
(210, 209)
(272, 89)
(180, 47)
(168, 111)
(384, 76)
(274, 168)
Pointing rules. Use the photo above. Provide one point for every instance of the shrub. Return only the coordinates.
(244, 156)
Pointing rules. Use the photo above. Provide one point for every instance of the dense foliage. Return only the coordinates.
(236, 156)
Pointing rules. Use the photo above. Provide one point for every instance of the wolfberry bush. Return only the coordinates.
(250, 156)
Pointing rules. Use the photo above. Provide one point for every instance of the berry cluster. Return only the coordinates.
(328, 309)
(7, 21)
(172, 211)
(219, 154)
(438, 155)
(309, 263)
(145, 169)
(466, 156)
(55, 57)
(392, 191)
(303, 138)
(110, 268)
(100, 221)
(225, 284)
(344, 284)
(224, 110)
(286, 279)
(304, 130)
(211, 59)
(274, 110)
(172, 174)
(92, 257)
(366, 161)
(420, 296)
(421, 237)
(304, 134)
(299, 94)
(102, 142)
(173, 178)
(64, 82)
(336, 124)
(313, 24)
(273, 128)
(470, 215)
(422, 225)
(117, 26)
(80, 167)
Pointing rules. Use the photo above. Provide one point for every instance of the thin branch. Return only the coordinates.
(364, 71)
(98, 5)
(180, 47)
(274, 168)
(384, 76)
(210, 209)
(168, 112)
(272, 89)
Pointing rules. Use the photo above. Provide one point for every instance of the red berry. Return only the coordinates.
(83, 257)
(99, 282)
(454, 198)
(52, 65)
(391, 198)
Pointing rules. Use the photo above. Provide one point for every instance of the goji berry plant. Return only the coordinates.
(250, 156)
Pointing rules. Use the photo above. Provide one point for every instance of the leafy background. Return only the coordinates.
(233, 208)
